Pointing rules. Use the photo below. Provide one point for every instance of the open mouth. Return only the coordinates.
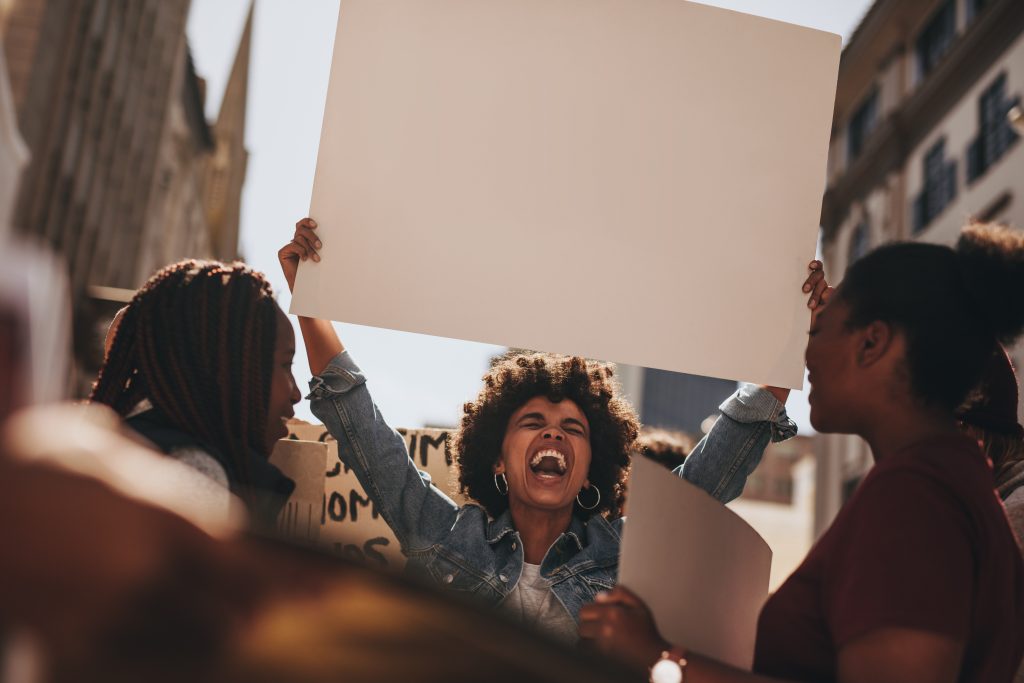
(548, 463)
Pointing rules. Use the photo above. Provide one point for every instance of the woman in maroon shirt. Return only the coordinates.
(918, 579)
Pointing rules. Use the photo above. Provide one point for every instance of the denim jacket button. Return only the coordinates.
(504, 579)
(449, 578)
(513, 545)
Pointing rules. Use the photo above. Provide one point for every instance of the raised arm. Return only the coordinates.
(417, 511)
(751, 418)
(721, 462)
(322, 342)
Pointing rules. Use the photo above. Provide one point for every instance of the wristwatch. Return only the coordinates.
(670, 667)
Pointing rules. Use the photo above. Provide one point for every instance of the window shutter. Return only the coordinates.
(974, 167)
(919, 220)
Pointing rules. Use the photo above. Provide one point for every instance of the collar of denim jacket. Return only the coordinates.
(582, 532)
(597, 534)
(500, 527)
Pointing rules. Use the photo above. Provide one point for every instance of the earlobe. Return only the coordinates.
(875, 343)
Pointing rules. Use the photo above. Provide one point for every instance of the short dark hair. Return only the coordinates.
(953, 305)
(667, 447)
(512, 381)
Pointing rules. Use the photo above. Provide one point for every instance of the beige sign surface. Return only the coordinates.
(546, 173)
(305, 463)
(701, 569)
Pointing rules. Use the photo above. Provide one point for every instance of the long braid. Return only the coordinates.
(118, 383)
(249, 322)
(116, 374)
(256, 386)
(242, 316)
(197, 340)
(166, 367)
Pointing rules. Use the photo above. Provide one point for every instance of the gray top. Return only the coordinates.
(532, 603)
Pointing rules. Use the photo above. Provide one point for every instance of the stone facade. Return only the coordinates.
(111, 110)
(921, 145)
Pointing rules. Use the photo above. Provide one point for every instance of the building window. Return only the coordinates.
(860, 242)
(939, 186)
(861, 125)
(995, 134)
(936, 38)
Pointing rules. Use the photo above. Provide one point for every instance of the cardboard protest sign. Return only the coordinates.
(657, 160)
(304, 462)
(701, 569)
(350, 523)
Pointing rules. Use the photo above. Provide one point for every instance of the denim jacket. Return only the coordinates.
(462, 548)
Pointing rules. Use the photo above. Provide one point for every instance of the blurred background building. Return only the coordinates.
(778, 502)
(922, 143)
(125, 174)
(673, 400)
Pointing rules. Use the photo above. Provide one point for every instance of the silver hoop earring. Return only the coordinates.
(596, 502)
(504, 482)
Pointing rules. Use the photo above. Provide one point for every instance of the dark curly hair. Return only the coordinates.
(667, 447)
(512, 381)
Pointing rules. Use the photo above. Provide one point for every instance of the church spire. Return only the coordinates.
(226, 168)
(232, 107)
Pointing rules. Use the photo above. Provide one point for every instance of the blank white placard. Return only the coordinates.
(632, 180)
(701, 569)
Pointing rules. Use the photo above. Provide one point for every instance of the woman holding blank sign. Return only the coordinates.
(919, 578)
(543, 452)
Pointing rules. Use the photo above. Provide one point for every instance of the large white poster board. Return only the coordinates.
(576, 166)
(701, 569)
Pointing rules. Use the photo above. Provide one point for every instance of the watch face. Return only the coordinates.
(666, 671)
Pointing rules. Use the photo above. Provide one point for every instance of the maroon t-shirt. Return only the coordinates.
(923, 544)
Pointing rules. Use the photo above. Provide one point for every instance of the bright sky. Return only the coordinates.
(415, 379)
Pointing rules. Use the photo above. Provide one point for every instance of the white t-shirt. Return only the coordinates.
(533, 603)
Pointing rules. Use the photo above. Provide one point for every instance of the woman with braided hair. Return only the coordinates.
(200, 365)
(542, 453)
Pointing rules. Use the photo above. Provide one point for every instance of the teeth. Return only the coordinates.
(550, 453)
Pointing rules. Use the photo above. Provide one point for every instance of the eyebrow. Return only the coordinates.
(540, 416)
(573, 420)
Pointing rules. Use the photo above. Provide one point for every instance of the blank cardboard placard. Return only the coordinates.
(305, 463)
(560, 174)
(701, 569)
